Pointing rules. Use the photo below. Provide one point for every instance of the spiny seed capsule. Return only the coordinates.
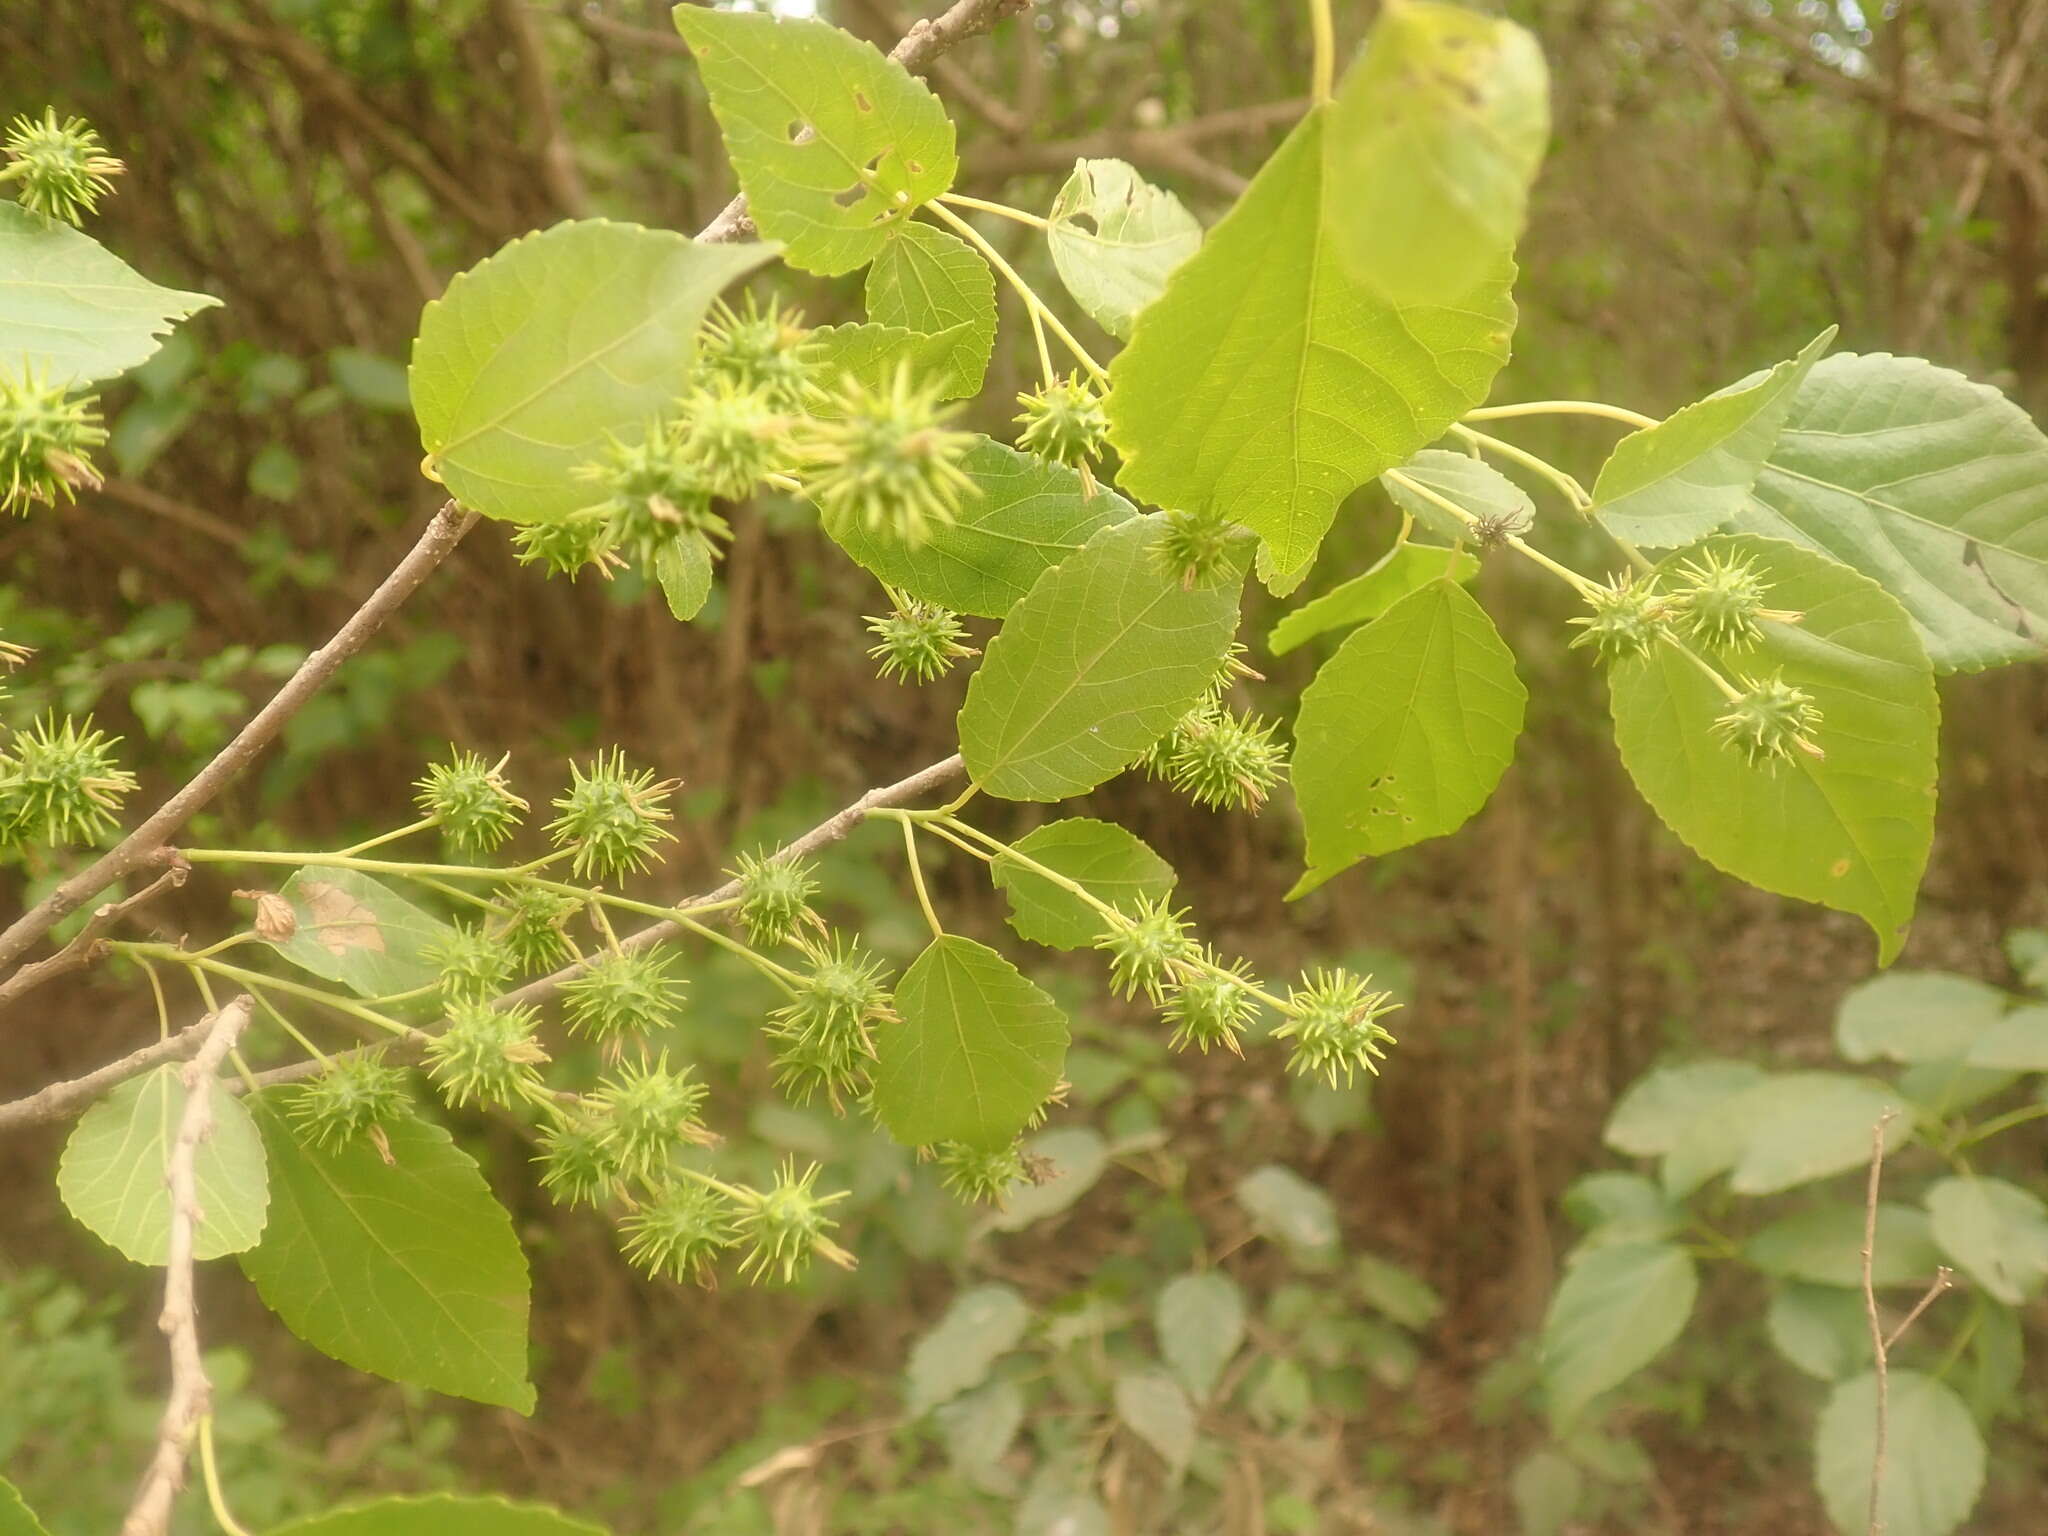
(652, 492)
(1770, 720)
(1212, 1006)
(473, 965)
(579, 1162)
(681, 1232)
(983, 1176)
(775, 898)
(1065, 422)
(1333, 1019)
(1226, 761)
(613, 818)
(787, 1225)
(648, 1111)
(60, 784)
(472, 802)
(1147, 949)
(1196, 548)
(352, 1095)
(532, 924)
(735, 436)
(61, 168)
(45, 437)
(485, 1055)
(1720, 602)
(623, 994)
(885, 460)
(917, 641)
(570, 546)
(1628, 617)
(759, 350)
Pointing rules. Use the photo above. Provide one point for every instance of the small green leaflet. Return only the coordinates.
(1658, 1106)
(1618, 1307)
(978, 1428)
(1075, 1157)
(1031, 514)
(16, 1518)
(929, 281)
(407, 1269)
(977, 1050)
(1401, 570)
(1435, 140)
(1620, 1208)
(872, 355)
(111, 1176)
(71, 309)
(1405, 731)
(1933, 486)
(2017, 1043)
(1115, 239)
(683, 567)
(1787, 1130)
(1820, 1329)
(1267, 384)
(1824, 1246)
(441, 1514)
(834, 145)
(1995, 1232)
(1155, 1409)
(1097, 662)
(536, 354)
(980, 1326)
(1546, 1488)
(1436, 475)
(1915, 1016)
(1849, 831)
(361, 933)
(1933, 1464)
(1678, 481)
(1200, 1323)
(1298, 1215)
(1119, 867)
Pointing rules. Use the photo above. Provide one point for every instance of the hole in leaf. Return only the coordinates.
(797, 130)
(860, 100)
(874, 164)
(915, 167)
(846, 197)
(1085, 222)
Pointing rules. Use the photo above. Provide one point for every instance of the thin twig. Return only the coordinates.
(89, 944)
(191, 1393)
(140, 846)
(1944, 1277)
(1877, 1341)
(60, 1101)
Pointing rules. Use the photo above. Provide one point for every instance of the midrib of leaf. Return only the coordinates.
(960, 1033)
(1948, 530)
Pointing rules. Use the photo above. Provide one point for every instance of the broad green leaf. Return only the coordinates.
(2016, 1043)
(1031, 514)
(1398, 1293)
(1821, 1329)
(1155, 1409)
(1405, 731)
(1097, 662)
(1292, 1212)
(1948, 1087)
(1617, 1308)
(406, 1268)
(1933, 486)
(980, 1326)
(1546, 1488)
(1691, 473)
(1401, 570)
(1998, 1356)
(872, 355)
(1849, 831)
(1076, 1156)
(1915, 1016)
(834, 145)
(1115, 240)
(932, 282)
(977, 1050)
(1267, 384)
(16, 1518)
(1787, 1130)
(1058, 1503)
(978, 1427)
(1933, 1463)
(1997, 1234)
(441, 1514)
(1658, 1106)
(361, 933)
(71, 309)
(1437, 475)
(683, 568)
(536, 354)
(1620, 1208)
(1116, 865)
(2027, 949)
(1824, 1245)
(1200, 1322)
(111, 1176)
(1435, 140)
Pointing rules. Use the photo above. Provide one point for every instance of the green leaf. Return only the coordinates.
(407, 1269)
(872, 355)
(977, 1050)
(1200, 1322)
(1405, 731)
(1849, 831)
(1398, 1293)
(935, 283)
(1031, 514)
(1692, 472)
(73, 310)
(1788, 1130)
(441, 1514)
(1435, 139)
(1658, 1106)
(1933, 1464)
(1157, 1411)
(980, 1326)
(1401, 570)
(369, 379)
(2017, 1043)
(1821, 1329)
(1915, 1016)
(16, 1518)
(1944, 1088)
(1115, 240)
(1932, 485)
(1267, 384)
(2027, 949)
(834, 145)
(1077, 1156)
(1290, 1211)
(1824, 1245)
(1436, 475)
(1998, 1356)
(683, 567)
(1116, 865)
(1620, 1208)
(1097, 662)
(978, 1427)
(1618, 1307)
(1997, 1234)
(1546, 1488)
(533, 356)
(361, 933)
(111, 1176)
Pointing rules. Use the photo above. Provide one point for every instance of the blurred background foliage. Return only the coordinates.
(1728, 177)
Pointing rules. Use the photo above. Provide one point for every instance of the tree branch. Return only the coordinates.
(143, 844)
(60, 1101)
(85, 947)
(191, 1394)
